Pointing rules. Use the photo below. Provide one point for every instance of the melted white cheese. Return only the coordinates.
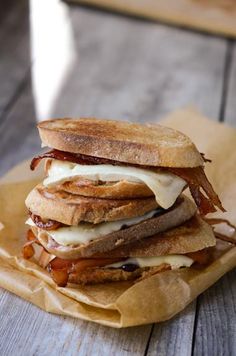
(175, 261)
(85, 232)
(165, 186)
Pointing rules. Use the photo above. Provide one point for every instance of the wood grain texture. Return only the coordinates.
(174, 337)
(14, 48)
(134, 70)
(27, 330)
(230, 111)
(215, 325)
(137, 70)
(216, 16)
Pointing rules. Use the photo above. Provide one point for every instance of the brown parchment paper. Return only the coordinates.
(124, 304)
(215, 16)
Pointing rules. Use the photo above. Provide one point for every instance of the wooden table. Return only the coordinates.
(123, 68)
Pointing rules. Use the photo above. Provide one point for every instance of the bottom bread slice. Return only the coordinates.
(104, 275)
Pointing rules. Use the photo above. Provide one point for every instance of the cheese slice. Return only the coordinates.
(175, 261)
(85, 232)
(165, 186)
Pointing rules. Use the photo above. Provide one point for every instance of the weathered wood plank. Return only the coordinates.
(137, 70)
(174, 337)
(27, 330)
(230, 112)
(14, 48)
(215, 321)
(19, 136)
(216, 326)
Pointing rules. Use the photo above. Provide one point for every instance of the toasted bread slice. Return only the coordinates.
(71, 209)
(152, 145)
(193, 238)
(182, 211)
(109, 190)
(194, 235)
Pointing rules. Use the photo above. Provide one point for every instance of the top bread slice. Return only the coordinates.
(151, 145)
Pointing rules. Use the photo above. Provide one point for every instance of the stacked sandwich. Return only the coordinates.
(111, 206)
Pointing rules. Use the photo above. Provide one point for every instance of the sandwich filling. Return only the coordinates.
(107, 269)
(165, 186)
(176, 248)
(175, 262)
(202, 191)
(85, 232)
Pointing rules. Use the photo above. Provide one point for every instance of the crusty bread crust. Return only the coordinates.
(102, 275)
(71, 209)
(152, 145)
(194, 235)
(171, 218)
(118, 190)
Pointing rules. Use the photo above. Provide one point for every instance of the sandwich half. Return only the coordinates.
(111, 186)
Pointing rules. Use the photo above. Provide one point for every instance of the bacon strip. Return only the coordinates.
(195, 177)
(71, 157)
(60, 269)
(85, 159)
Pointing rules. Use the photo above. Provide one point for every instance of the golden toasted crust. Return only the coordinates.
(194, 235)
(71, 209)
(177, 215)
(122, 141)
(118, 190)
(102, 275)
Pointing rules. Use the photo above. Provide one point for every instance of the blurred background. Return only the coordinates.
(64, 59)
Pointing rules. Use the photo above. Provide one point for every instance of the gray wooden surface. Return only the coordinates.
(129, 69)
